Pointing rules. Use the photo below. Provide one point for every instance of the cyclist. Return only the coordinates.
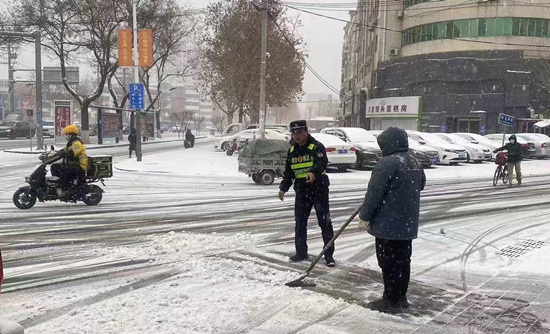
(514, 158)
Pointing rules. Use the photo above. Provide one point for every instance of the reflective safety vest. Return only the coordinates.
(301, 165)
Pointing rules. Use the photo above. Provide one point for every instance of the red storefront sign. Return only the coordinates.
(63, 113)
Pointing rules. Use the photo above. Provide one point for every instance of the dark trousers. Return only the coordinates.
(394, 258)
(68, 173)
(304, 202)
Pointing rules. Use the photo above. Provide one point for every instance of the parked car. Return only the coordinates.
(367, 150)
(542, 143)
(12, 130)
(339, 153)
(425, 154)
(528, 147)
(448, 153)
(48, 128)
(479, 139)
(223, 143)
(476, 153)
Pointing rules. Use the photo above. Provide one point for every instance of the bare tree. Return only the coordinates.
(199, 123)
(217, 120)
(230, 63)
(183, 119)
(78, 28)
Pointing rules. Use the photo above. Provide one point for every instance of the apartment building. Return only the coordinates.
(445, 66)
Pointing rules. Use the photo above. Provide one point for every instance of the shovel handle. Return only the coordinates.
(331, 242)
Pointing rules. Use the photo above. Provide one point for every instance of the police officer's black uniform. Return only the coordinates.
(310, 158)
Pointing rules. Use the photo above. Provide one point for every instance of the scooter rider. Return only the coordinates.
(75, 163)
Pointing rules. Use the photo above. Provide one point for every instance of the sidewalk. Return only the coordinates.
(22, 150)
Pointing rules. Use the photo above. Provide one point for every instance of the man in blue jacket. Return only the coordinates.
(306, 165)
(391, 212)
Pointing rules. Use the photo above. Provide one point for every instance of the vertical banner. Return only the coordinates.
(145, 47)
(125, 47)
(63, 111)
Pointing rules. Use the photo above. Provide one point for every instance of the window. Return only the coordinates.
(489, 27)
(473, 28)
(482, 27)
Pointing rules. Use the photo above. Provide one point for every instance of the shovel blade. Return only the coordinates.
(300, 283)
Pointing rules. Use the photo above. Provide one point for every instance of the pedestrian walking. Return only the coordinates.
(132, 141)
(306, 164)
(514, 159)
(391, 212)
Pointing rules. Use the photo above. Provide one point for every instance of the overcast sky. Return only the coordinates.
(323, 38)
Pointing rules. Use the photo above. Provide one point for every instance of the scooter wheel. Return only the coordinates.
(24, 200)
(93, 196)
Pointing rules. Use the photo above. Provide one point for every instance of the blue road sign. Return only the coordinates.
(137, 96)
(506, 119)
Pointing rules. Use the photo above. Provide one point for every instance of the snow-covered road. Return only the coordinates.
(183, 243)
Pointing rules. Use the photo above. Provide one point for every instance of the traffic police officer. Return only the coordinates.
(306, 166)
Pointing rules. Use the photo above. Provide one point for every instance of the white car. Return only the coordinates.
(48, 128)
(223, 143)
(368, 152)
(479, 139)
(339, 153)
(448, 153)
(476, 152)
(542, 143)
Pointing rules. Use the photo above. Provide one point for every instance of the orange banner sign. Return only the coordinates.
(125, 47)
(145, 47)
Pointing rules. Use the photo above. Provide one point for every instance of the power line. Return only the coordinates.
(317, 75)
(422, 35)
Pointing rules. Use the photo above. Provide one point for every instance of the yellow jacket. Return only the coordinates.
(79, 151)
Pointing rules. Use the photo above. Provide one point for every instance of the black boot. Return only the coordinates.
(298, 258)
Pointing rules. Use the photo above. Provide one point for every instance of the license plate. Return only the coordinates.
(342, 151)
(487, 156)
(461, 156)
(433, 161)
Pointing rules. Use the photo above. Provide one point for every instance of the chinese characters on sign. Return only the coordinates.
(137, 95)
(145, 47)
(63, 111)
(506, 119)
(124, 47)
(393, 106)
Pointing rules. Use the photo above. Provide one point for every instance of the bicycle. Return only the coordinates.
(501, 172)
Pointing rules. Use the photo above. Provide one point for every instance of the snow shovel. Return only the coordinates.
(300, 281)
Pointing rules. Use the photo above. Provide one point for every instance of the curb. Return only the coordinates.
(102, 146)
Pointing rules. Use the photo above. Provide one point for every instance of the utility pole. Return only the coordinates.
(136, 80)
(11, 83)
(263, 69)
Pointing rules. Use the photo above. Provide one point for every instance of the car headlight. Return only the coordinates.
(446, 150)
(419, 153)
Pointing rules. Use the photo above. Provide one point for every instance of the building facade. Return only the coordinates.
(466, 61)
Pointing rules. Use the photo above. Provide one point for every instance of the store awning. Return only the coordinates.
(542, 124)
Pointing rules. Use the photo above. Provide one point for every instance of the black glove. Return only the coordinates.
(62, 153)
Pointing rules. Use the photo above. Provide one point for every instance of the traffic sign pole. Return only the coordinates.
(136, 79)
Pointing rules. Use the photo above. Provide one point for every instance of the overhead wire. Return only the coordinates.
(422, 35)
(308, 66)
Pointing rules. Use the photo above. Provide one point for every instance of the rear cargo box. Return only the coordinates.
(100, 166)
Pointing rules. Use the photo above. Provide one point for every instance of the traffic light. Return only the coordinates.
(29, 112)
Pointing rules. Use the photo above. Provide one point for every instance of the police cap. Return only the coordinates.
(298, 125)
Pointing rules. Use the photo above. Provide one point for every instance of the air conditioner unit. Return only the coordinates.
(394, 51)
(400, 14)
